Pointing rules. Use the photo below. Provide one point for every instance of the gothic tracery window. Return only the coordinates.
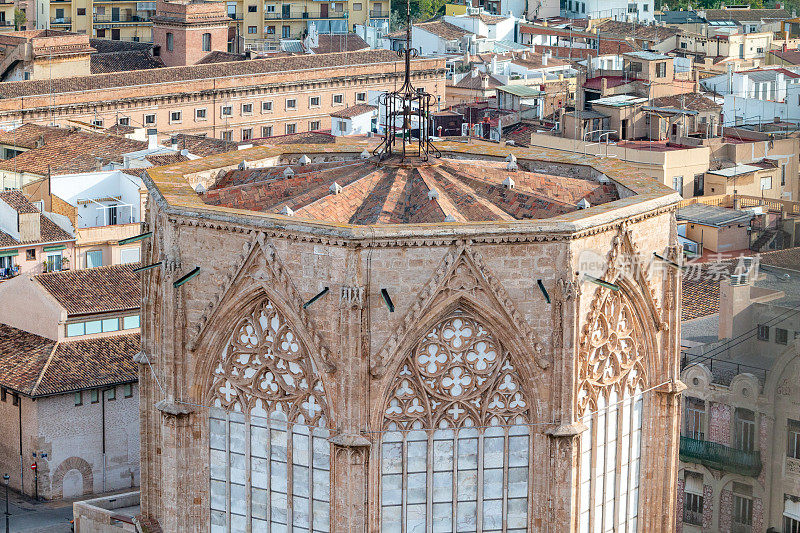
(268, 433)
(455, 452)
(611, 380)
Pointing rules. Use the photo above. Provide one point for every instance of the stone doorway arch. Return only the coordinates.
(69, 486)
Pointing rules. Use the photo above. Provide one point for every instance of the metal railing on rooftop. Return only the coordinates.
(106, 19)
(720, 457)
(300, 15)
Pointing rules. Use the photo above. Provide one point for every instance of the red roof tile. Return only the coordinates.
(94, 290)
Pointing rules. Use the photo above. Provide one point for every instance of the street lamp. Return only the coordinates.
(5, 482)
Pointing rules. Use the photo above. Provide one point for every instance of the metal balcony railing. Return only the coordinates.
(378, 14)
(108, 19)
(61, 20)
(720, 457)
(300, 15)
(694, 518)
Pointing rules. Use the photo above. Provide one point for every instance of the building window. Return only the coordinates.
(271, 29)
(338, 99)
(200, 114)
(79, 398)
(763, 332)
(206, 42)
(695, 413)
(661, 70)
(252, 30)
(3, 394)
(111, 394)
(781, 336)
(252, 9)
(291, 128)
(342, 125)
(742, 513)
(677, 184)
(130, 322)
(285, 469)
(101, 34)
(491, 445)
(766, 183)
(693, 499)
(149, 119)
(793, 430)
(361, 97)
(744, 429)
(124, 121)
(286, 32)
(226, 111)
(170, 41)
(30, 254)
(357, 6)
(129, 255)
(127, 390)
(791, 514)
(313, 101)
(94, 397)
(266, 107)
(699, 184)
(247, 134)
(247, 109)
(15, 399)
(81, 11)
(97, 122)
(227, 135)
(94, 258)
(291, 103)
(175, 116)
(266, 131)
(313, 125)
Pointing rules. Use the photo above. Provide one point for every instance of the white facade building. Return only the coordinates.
(633, 11)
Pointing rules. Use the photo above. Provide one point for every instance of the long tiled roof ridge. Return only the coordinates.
(94, 290)
(13, 89)
(36, 366)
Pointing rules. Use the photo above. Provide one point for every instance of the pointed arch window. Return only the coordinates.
(455, 454)
(611, 381)
(269, 453)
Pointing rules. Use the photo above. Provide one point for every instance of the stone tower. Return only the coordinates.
(186, 31)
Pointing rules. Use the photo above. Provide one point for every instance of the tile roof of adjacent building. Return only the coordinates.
(58, 154)
(49, 231)
(94, 290)
(218, 56)
(443, 29)
(31, 135)
(202, 146)
(683, 16)
(14, 89)
(306, 137)
(627, 30)
(37, 366)
(165, 159)
(471, 81)
(119, 129)
(486, 18)
(746, 15)
(338, 42)
(123, 61)
(354, 111)
(690, 101)
(105, 46)
(790, 56)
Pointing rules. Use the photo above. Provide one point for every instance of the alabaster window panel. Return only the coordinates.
(455, 452)
(610, 401)
(269, 451)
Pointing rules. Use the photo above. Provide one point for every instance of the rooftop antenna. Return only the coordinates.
(400, 104)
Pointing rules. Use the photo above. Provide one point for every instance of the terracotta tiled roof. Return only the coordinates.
(218, 56)
(202, 146)
(746, 15)
(12, 89)
(789, 258)
(349, 42)
(105, 46)
(123, 61)
(306, 137)
(790, 56)
(625, 30)
(443, 29)
(166, 159)
(94, 290)
(354, 111)
(465, 190)
(488, 19)
(36, 366)
(119, 129)
(476, 82)
(27, 135)
(690, 101)
(59, 155)
(49, 230)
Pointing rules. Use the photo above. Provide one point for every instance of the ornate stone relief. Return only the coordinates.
(266, 369)
(260, 264)
(461, 272)
(457, 375)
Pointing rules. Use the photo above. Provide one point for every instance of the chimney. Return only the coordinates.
(474, 72)
(485, 82)
(603, 86)
(544, 59)
(734, 299)
(152, 142)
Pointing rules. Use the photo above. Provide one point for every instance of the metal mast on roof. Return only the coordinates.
(406, 103)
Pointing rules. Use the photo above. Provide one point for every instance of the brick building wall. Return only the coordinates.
(168, 99)
(719, 423)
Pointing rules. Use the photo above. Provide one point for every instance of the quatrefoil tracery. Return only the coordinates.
(457, 375)
(265, 368)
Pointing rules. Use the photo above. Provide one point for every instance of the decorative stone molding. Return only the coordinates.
(352, 297)
(461, 272)
(173, 408)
